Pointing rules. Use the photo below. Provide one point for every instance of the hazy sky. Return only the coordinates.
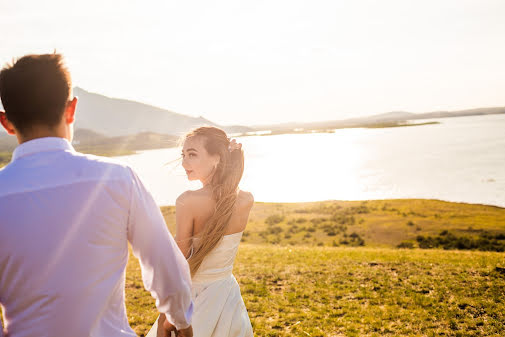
(255, 62)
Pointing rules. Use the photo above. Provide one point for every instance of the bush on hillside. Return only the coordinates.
(274, 219)
(486, 241)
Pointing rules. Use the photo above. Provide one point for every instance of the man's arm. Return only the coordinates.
(165, 271)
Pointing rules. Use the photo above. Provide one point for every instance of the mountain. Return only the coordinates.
(119, 117)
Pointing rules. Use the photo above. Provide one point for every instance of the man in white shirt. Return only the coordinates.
(66, 219)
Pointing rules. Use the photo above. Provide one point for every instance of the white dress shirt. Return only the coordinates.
(65, 222)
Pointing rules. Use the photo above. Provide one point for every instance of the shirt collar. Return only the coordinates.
(44, 144)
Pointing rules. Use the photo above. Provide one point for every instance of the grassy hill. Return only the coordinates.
(305, 286)
(375, 223)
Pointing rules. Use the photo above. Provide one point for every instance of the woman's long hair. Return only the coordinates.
(224, 184)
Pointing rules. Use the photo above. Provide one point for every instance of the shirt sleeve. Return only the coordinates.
(165, 271)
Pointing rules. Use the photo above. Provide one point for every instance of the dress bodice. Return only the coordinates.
(218, 264)
(219, 309)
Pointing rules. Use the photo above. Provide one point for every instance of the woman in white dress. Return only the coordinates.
(209, 225)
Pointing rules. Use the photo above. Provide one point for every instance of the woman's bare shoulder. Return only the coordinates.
(245, 199)
(195, 199)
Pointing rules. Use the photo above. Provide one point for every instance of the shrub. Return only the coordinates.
(343, 219)
(406, 244)
(274, 219)
(500, 236)
(446, 240)
(362, 209)
(274, 230)
(317, 221)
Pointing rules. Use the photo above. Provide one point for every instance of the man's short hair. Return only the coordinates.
(35, 90)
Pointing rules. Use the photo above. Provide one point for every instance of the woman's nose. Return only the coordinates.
(184, 163)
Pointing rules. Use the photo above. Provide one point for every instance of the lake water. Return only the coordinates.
(461, 159)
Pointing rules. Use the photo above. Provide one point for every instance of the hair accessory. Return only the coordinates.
(234, 145)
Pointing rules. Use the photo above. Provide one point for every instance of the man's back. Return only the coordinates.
(66, 219)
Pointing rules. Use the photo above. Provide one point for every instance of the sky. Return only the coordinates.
(260, 62)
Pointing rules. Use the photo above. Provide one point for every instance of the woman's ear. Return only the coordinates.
(217, 160)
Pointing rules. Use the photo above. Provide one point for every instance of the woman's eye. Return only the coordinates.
(192, 155)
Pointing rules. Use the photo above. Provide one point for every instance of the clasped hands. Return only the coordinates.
(165, 327)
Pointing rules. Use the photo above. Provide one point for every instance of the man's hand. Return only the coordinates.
(188, 332)
(165, 327)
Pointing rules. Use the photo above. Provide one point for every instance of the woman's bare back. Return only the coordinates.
(206, 206)
(194, 209)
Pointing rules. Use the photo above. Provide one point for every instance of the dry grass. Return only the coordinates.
(358, 291)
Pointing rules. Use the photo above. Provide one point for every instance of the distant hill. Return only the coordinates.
(88, 141)
(388, 117)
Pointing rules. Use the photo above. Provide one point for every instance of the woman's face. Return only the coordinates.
(197, 162)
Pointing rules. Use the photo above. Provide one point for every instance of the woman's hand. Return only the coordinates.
(165, 327)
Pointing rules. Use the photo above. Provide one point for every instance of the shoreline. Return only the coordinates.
(117, 150)
(332, 129)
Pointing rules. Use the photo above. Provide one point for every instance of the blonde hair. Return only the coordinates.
(224, 183)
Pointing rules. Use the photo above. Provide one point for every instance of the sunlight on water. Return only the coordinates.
(461, 159)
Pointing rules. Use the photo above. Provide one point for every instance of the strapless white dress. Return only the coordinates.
(219, 309)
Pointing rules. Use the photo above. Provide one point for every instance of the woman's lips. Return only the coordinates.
(188, 172)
